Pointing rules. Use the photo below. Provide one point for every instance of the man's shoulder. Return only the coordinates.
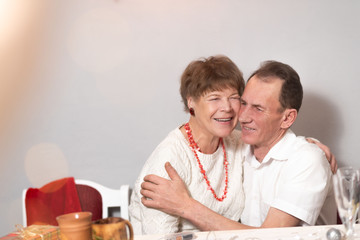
(292, 147)
(305, 155)
(301, 146)
(298, 145)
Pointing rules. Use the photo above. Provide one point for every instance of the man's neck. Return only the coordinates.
(261, 151)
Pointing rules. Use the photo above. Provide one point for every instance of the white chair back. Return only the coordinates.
(110, 198)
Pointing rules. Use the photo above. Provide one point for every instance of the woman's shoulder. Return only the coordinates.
(172, 149)
(172, 146)
(234, 137)
(173, 140)
(236, 133)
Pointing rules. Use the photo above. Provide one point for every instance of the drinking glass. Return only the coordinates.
(347, 188)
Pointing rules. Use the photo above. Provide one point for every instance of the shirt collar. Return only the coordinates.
(279, 152)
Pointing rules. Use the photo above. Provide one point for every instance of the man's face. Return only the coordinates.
(260, 114)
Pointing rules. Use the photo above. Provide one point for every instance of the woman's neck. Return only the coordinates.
(207, 142)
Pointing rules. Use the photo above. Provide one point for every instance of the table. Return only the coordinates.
(290, 233)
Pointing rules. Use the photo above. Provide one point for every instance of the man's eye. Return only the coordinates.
(214, 99)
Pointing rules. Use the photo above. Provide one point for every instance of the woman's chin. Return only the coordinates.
(225, 134)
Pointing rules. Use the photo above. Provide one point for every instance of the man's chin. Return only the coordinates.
(248, 140)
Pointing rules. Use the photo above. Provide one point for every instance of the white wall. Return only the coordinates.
(92, 88)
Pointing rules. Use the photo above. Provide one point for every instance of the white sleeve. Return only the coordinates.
(305, 184)
(151, 221)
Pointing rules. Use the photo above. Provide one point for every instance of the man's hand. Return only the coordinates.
(170, 196)
(329, 155)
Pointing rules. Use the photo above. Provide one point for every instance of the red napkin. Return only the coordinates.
(44, 204)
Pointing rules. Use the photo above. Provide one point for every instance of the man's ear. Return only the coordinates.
(289, 118)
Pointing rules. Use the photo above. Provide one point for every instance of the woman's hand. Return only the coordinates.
(170, 196)
(330, 157)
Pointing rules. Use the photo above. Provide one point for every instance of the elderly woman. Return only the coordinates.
(203, 150)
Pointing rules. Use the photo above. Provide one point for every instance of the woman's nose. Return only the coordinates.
(226, 106)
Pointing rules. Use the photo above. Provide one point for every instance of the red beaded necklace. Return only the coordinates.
(195, 147)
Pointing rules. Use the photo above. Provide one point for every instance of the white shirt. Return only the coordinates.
(294, 177)
(176, 150)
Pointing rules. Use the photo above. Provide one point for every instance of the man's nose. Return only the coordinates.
(244, 114)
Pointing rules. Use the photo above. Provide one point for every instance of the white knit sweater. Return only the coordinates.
(175, 149)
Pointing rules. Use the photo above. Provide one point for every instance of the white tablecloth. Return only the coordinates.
(291, 233)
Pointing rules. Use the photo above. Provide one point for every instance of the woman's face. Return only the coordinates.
(216, 113)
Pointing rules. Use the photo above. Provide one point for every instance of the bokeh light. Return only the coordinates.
(45, 162)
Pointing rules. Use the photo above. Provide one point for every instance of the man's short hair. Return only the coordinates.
(291, 94)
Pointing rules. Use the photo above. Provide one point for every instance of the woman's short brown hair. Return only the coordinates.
(210, 74)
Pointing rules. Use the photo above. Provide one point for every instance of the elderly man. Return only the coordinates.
(287, 181)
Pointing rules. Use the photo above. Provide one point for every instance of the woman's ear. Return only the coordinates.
(289, 118)
(190, 102)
